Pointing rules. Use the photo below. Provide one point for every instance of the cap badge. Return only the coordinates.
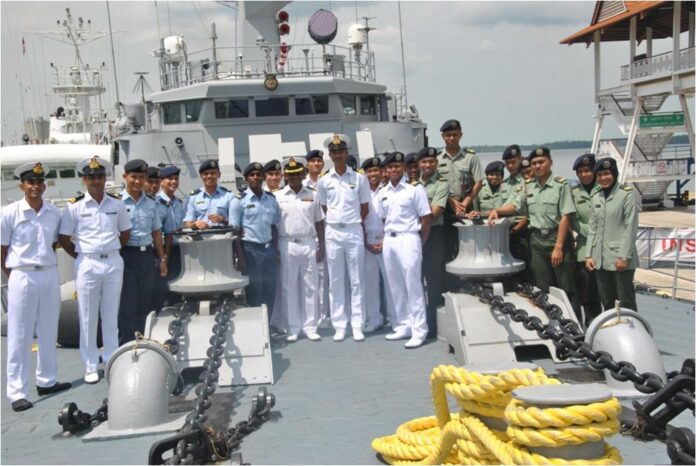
(336, 140)
(606, 164)
(540, 151)
(38, 169)
(292, 163)
(94, 163)
(258, 166)
(213, 164)
(586, 161)
(453, 125)
(431, 152)
(513, 152)
(399, 157)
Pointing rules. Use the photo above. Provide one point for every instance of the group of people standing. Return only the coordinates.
(322, 248)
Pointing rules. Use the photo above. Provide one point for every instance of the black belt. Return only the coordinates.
(256, 245)
(543, 231)
(138, 248)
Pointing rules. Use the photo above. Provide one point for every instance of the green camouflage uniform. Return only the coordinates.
(612, 235)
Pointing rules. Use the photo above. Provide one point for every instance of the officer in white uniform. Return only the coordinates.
(29, 233)
(374, 259)
(300, 230)
(344, 195)
(406, 212)
(100, 226)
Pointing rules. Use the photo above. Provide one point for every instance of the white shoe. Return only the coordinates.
(373, 328)
(414, 342)
(340, 335)
(397, 335)
(358, 335)
(312, 336)
(92, 377)
(292, 338)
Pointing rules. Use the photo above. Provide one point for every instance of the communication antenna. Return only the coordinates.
(141, 85)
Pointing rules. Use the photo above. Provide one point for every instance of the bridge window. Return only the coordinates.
(348, 102)
(66, 173)
(316, 104)
(368, 105)
(275, 106)
(171, 113)
(52, 174)
(8, 176)
(193, 110)
(233, 108)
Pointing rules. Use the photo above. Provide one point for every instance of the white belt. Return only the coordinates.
(32, 268)
(98, 255)
(342, 224)
(298, 239)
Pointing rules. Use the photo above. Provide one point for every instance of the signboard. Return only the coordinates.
(662, 119)
(665, 244)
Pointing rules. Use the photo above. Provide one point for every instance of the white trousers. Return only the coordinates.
(33, 298)
(299, 277)
(98, 282)
(345, 252)
(403, 255)
(374, 267)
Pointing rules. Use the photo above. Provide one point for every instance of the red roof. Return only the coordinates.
(655, 14)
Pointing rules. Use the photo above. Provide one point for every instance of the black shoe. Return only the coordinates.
(55, 388)
(21, 405)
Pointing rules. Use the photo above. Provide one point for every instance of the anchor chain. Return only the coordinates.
(177, 326)
(197, 443)
(677, 394)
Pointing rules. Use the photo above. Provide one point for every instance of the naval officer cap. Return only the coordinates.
(394, 157)
(495, 167)
(372, 162)
(451, 125)
(585, 160)
(169, 170)
(32, 171)
(314, 154)
(426, 152)
(606, 163)
(135, 166)
(93, 166)
(539, 152)
(154, 173)
(253, 167)
(511, 151)
(294, 165)
(411, 158)
(271, 166)
(209, 164)
(352, 162)
(337, 141)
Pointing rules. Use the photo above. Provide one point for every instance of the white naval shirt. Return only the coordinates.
(343, 195)
(374, 227)
(29, 234)
(299, 212)
(96, 227)
(402, 206)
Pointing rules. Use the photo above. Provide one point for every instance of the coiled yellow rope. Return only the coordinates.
(462, 438)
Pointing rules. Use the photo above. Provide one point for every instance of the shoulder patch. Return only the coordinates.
(115, 196)
(626, 187)
(195, 191)
(531, 180)
(76, 198)
(560, 179)
(440, 178)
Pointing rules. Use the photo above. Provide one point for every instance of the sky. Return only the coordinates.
(498, 67)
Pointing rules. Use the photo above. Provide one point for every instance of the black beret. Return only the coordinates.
(426, 152)
(585, 160)
(135, 166)
(411, 158)
(539, 152)
(169, 170)
(495, 166)
(209, 165)
(316, 153)
(393, 157)
(606, 163)
(253, 167)
(371, 163)
(511, 151)
(450, 125)
(271, 166)
(352, 162)
(154, 173)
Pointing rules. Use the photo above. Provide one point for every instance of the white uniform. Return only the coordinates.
(401, 207)
(33, 294)
(374, 267)
(297, 241)
(323, 283)
(342, 196)
(98, 270)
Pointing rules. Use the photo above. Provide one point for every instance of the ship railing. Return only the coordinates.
(302, 60)
(675, 167)
(662, 64)
(672, 259)
(75, 80)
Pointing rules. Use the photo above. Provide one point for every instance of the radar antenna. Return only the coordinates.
(141, 85)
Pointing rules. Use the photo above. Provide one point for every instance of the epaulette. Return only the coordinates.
(626, 187)
(277, 189)
(224, 189)
(415, 183)
(270, 193)
(518, 189)
(531, 180)
(115, 196)
(76, 198)
(162, 201)
(440, 178)
(195, 191)
(469, 151)
(310, 188)
(560, 179)
(150, 196)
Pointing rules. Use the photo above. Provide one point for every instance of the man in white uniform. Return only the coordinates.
(406, 212)
(374, 259)
(29, 235)
(100, 226)
(301, 225)
(344, 195)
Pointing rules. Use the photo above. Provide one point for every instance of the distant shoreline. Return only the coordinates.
(680, 139)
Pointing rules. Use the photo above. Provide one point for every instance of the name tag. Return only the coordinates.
(352, 186)
(200, 202)
(86, 215)
(249, 206)
(111, 213)
(443, 164)
(384, 198)
(329, 188)
(308, 199)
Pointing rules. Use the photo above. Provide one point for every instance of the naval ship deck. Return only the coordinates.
(332, 399)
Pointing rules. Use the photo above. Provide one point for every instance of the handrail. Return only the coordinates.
(658, 64)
